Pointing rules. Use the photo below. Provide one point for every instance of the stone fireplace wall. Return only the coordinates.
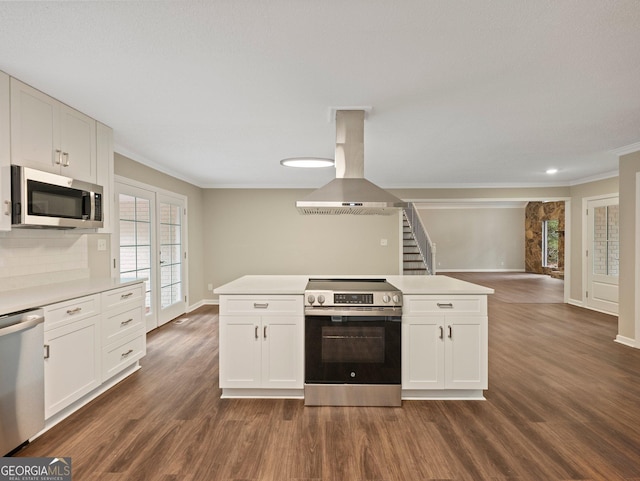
(535, 214)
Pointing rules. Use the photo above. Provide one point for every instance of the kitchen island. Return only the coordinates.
(444, 336)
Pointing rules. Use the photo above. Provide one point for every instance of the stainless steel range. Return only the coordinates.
(352, 343)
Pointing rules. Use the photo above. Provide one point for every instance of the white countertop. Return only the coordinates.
(38, 296)
(295, 284)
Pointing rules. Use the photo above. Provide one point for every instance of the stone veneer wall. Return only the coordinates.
(535, 214)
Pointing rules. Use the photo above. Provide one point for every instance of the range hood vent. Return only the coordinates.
(350, 192)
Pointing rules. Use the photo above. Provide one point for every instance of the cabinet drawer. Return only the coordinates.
(122, 296)
(262, 305)
(117, 356)
(62, 313)
(117, 325)
(449, 305)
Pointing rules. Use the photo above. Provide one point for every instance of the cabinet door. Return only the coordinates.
(5, 153)
(104, 177)
(423, 352)
(282, 352)
(240, 351)
(78, 144)
(466, 352)
(34, 128)
(72, 368)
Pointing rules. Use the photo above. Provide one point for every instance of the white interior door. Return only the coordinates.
(603, 254)
(136, 209)
(172, 257)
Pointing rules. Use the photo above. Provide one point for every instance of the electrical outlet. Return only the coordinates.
(210, 287)
(102, 244)
(383, 242)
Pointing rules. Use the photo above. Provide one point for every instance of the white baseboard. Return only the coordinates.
(203, 302)
(480, 270)
(575, 302)
(627, 341)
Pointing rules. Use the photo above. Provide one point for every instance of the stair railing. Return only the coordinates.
(425, 246)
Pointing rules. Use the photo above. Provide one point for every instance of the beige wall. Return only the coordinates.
(578, 193)
(629, 167)
(259, 231)
(130, 169)
(480, 239)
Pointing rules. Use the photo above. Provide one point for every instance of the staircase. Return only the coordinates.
(412, 262)
(418, 252)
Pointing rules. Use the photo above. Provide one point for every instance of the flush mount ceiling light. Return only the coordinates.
(552, 171)
(307, 162)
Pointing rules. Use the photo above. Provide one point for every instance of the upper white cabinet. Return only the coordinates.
(104, 142)
(51, 136)
(5, 153)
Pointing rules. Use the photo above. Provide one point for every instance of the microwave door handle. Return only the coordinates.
(86, 205)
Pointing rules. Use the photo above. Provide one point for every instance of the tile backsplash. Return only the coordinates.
(30, 258)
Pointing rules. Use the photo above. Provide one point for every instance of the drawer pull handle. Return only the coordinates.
(126, 296)
(264, 333)
(445, 305)
(441, 332)
(256, 333)
(71, 312)
(125, 354)
(260, 305)
(124, 323)
(450, 332)
(46, 351)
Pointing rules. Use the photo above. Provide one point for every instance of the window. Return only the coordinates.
(550, 236)
(606, 240)
(135, 241)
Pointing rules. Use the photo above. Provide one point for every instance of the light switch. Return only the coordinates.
(383, 242)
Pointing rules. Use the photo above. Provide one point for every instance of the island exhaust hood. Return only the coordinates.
(350, 192)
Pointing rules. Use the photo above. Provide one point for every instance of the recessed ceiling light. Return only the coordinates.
(307, 162)
(552, 171)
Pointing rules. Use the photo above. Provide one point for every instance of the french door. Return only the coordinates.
(152, 239)
(603, 264)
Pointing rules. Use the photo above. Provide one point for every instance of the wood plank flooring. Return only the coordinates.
(563, 404)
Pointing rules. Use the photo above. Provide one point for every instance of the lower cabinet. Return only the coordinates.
(71, 363)
(444, 343)
(265, 350)
(88, 341)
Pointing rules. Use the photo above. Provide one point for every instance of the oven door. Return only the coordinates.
(352, 350)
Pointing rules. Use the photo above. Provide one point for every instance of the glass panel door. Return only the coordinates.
(172, 254)
(603, 254)
(136, 227)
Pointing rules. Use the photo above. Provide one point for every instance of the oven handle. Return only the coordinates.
(328, 311)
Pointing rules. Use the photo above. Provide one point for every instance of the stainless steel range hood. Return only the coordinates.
(350, 192)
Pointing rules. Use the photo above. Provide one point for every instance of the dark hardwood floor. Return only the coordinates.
(563, 404)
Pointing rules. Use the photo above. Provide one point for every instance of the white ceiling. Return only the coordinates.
(463, 93)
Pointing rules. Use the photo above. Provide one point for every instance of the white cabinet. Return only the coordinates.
(5, 154)
(88, 341)
(261, 342)
(444, 343)
(51, 136)
(104, 173)
(123, 329)
(72, 352)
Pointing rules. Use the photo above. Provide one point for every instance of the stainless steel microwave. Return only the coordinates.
(42, 199)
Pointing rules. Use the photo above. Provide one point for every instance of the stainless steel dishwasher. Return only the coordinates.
(21, 378)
